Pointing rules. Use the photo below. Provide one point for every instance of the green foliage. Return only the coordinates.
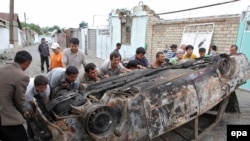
(40, 30)
(83, 24)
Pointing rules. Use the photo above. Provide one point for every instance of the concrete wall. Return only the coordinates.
(115, 31)
(20, 37)
(103, 43)
(47, 38)
(166, 32)
(4, 39)
(139, 17)
(59, 38)
(73, 33)
(83, 39)
(92, 41)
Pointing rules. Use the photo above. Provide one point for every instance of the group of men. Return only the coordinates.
(69, 57)
(18, 88)
(63, 72)
(186, 52)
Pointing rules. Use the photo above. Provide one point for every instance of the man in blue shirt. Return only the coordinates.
(65, 78)
(140, 58)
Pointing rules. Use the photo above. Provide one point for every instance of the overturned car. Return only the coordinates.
(181, 102)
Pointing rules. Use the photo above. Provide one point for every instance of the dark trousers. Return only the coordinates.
(13, 133)
(46, 60)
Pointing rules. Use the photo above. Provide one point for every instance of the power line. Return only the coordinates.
(205, 6)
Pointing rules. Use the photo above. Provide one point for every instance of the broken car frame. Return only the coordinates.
(181, 102)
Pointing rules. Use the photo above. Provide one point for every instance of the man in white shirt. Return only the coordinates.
(112, 67)
(39, 89)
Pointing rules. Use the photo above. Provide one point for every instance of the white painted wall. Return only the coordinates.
(115, 31)
(138, 38)
(36, 39)
(138, 32)
(4, 39)
(19, 37)
(103, 44)
(84, 32)
(47, 38)
(53, 39)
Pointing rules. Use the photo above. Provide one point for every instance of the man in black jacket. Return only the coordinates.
(44, 54)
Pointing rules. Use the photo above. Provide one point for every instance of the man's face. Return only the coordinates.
(174, 49)
(55, 50)
(233, 51)
(43, 41)
(180, 55)
(115, 61)
(189, 51)
(74, 47)
(92, 73)
(161, 58)
(118, 47)
(140, 56)
(202, 54)
(71, 77)
(41, 88)
(26, 65)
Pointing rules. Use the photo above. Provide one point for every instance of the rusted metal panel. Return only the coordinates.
(170, 106)
(210, 89)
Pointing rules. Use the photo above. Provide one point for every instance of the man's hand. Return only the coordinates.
(26, 115)
(140, 67)
(66, 84)
(106, 76)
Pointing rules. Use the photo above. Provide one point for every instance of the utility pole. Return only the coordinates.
(26, 29)
(11, 27)
(11, 22)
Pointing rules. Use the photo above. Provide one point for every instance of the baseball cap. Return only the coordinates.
(55, 46)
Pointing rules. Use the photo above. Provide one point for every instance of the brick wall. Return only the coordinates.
(162, 33)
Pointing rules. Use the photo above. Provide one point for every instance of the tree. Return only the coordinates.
(11, 22)
(40, 30)
(32, 26)
(55, 27)
(83, 24)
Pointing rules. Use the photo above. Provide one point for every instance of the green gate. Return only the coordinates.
(243, 39)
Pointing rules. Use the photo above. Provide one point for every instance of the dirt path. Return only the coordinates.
(219, 133)
(34, 68)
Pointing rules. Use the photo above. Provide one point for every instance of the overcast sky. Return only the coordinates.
(69, 13)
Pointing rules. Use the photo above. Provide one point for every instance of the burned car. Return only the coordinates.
(181, 102)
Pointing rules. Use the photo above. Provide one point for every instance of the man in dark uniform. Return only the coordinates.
(44, 54)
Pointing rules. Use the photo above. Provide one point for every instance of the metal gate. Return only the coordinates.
(243, 39)
(103, 45)
(198, 35)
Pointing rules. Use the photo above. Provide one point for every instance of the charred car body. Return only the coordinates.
(151, 104)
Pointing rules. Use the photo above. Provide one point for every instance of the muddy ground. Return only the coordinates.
(217, 134)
